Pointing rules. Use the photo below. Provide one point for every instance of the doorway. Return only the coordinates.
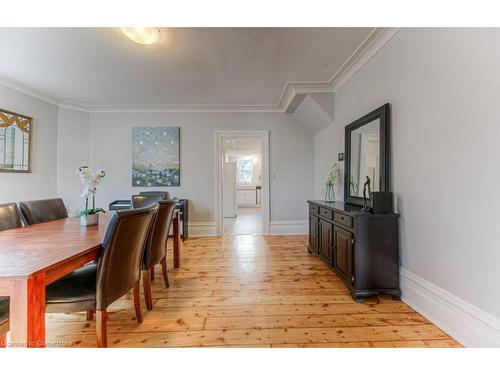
(242, 180)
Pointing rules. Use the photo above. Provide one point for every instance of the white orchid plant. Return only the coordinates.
(90, 182)
(330, 179)
(333, 174)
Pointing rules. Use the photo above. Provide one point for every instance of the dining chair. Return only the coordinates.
(4, 320)
(41, 211)
(165, 195)
(96, 286)
(140, 200)
(146, 198)
(10, 218)
(155, 250)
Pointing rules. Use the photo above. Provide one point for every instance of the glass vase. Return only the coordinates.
(330, 193)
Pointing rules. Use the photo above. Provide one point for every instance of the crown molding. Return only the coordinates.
(30, 91)
(171, 108)
(290, 98)
(370, 46)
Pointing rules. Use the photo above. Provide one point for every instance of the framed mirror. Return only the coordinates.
(367, 154)
(16, 133)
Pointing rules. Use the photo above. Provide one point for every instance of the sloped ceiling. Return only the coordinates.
(316, 111)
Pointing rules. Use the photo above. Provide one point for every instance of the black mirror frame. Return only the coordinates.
(382, 113)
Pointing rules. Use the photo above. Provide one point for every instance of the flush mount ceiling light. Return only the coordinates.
(142, 35)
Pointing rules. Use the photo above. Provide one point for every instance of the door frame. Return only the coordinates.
(263, 135)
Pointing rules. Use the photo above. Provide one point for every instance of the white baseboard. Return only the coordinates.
(207, 228)
(466, 323)
(289, 227)
(202, 228)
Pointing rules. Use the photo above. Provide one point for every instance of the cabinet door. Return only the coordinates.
(344, 256)
(313, 233)
(326, 240)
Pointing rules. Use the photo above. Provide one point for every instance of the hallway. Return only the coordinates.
(248, 221)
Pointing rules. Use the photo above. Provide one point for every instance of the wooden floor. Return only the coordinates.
(253, 291)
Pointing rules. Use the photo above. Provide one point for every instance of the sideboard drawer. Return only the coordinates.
(314, 209)
(327, 214)
(343, 219)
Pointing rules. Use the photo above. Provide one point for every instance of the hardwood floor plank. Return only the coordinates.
(315, 321)
(267, 336)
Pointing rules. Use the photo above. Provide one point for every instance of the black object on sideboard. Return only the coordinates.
(181, 204)
(361, 248)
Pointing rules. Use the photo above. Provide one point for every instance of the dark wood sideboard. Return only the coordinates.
(362, 249)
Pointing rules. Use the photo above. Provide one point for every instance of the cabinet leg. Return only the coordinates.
(356, 298)
(396, 296)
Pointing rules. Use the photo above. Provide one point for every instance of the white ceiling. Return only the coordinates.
(242, 146)
(190, 66)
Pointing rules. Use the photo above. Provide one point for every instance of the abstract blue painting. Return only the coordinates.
(155, 156)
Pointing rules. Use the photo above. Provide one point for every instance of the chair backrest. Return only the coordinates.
(156, 248)
(41, 211)
(119, 266)
(165, 195)
(10, 217)
(4, 309)
(140, 200)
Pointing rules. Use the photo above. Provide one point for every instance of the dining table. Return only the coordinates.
(34, 256)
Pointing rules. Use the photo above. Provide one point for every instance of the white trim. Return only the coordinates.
(289, 227)
(368, 48)
(265, 196)
(465, 322)
(30, 91)
(172, 108)
(201, 228)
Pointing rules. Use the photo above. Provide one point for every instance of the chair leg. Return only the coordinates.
(153, 273)
(3, 340)
(164, 270)
(90, 315)
(137, 302)
(146, 280)
(102, 328)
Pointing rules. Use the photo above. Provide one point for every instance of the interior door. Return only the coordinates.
(344, 256)
(229, 189)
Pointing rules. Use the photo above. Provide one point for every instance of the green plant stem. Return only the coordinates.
(86, 203)
(93, 201)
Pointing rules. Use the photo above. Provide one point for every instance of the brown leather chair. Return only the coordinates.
(97, 285)
(10, 217)
(41, 211)
(164, 195)
(4, 320)
(139, 201)
(155, 250)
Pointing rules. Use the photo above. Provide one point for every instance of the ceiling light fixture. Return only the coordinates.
(142, 35)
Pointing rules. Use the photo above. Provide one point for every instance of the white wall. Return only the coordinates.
(41, 183)
(444, 87)
(291, 157)
(72, 152)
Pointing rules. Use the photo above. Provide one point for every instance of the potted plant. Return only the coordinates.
(331, 177)
(90, 183)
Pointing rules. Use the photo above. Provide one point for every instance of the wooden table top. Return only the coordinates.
(31, 249)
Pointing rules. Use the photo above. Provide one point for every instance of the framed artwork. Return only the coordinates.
(16, 140)
(155, 156)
